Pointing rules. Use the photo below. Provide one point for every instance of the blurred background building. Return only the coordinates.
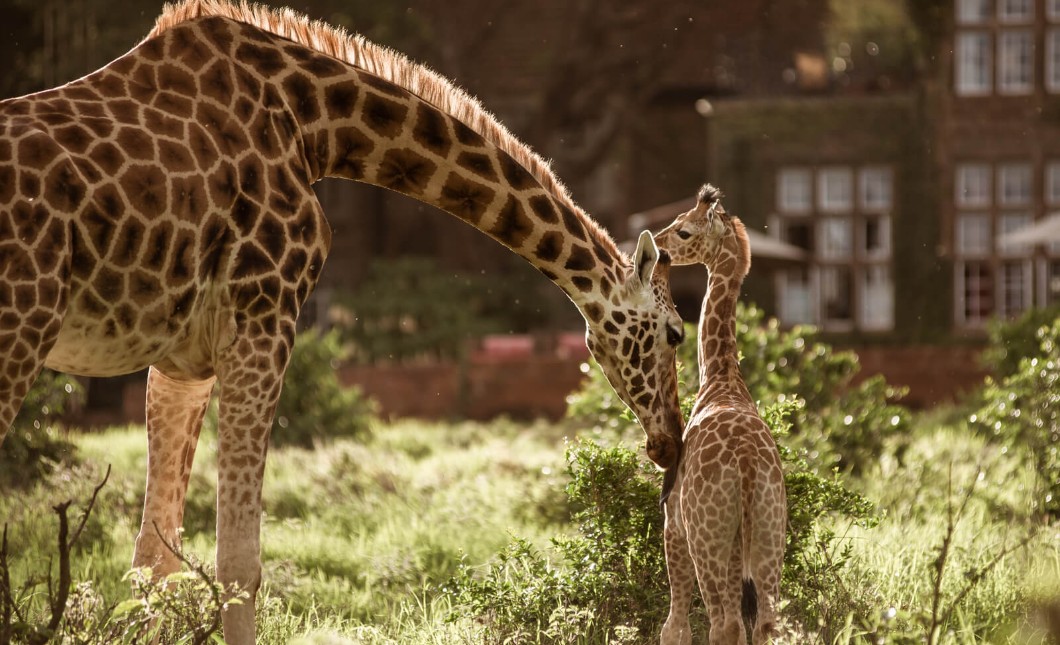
(882, 149)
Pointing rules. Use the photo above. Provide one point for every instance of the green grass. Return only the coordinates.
(359, 536)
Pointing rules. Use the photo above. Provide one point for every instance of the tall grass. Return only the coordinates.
(361, 536)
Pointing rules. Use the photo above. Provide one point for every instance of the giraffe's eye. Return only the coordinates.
(683, 234)
(674, 335)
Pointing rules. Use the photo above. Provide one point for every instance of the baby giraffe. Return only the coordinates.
(726, 515)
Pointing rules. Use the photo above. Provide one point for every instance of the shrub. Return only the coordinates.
(609, 579)
(1023, 409)
(1010, 341)
(33, 444)
(313, 405)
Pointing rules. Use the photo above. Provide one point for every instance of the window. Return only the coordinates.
(1015, 71)
(795, 297)
(1052, 183)
(1052, 9)
(973, 12)
(835, 190)
(973, 62)
(875, 189)
(837, 295)
(1052, 283)
(1014, 184)
(973, 185)
(877, 298)
(1015, 11)
(973, 234)
(876, 237)
(1015, 288)
(1052, 59)
(976, 292)
(836, 238)
(1013, 222)
(793, 190)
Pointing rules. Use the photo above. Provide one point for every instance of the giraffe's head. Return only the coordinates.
(708, 235)
(634, 337)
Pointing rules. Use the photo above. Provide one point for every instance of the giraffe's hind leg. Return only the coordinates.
(682, 575)
(712, 539)
(175, 410)
(250, 376)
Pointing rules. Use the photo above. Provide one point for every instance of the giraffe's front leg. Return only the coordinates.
(174, 417)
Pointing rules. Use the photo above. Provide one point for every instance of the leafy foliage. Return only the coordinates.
(409, 308)
(1023, 409)
(33, 444)
(313, 405)
(1010, 341)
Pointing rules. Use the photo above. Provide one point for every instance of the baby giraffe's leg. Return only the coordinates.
(174, 417)
(682, 574)
(711, 544)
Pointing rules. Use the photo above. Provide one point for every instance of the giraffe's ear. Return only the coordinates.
(645, 257)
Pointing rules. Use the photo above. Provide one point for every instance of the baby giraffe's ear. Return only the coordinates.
(645, 258)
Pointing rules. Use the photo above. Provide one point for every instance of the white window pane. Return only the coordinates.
(876, 237)
(974, 61)
(793, 190)
(1008, 223)
(1014, 184)
(875, 188)
(1015, 11)
(835, 238)
(1015, 295)
(1052, 9)
(973, 234)
(877, 298)
(971, 12)
(835, 189)
(794, 297)
(1015, 65)
(1052, 59)
(973, 185)
(1052, 183)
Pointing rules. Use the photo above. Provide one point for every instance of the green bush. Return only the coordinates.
(314, 406)
(1023, 409)
(608, 580)
(33, 444)
(1010, 341)
(844, 425)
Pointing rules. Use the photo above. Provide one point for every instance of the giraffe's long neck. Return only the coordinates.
(375, 132)
(719, 366)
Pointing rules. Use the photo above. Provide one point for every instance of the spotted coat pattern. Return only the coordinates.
(159, 212)
(726, 517)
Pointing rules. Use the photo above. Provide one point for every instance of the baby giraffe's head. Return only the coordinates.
(708, 235)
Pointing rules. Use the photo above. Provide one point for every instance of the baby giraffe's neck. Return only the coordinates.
(719, 365)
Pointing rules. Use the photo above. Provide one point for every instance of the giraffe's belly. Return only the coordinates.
(127, 336)
(88, 348)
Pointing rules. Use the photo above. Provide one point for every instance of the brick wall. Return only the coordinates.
(933, 374)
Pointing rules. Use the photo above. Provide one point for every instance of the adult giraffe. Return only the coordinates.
(159, 212)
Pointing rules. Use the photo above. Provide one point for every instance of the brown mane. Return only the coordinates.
(391, 66)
